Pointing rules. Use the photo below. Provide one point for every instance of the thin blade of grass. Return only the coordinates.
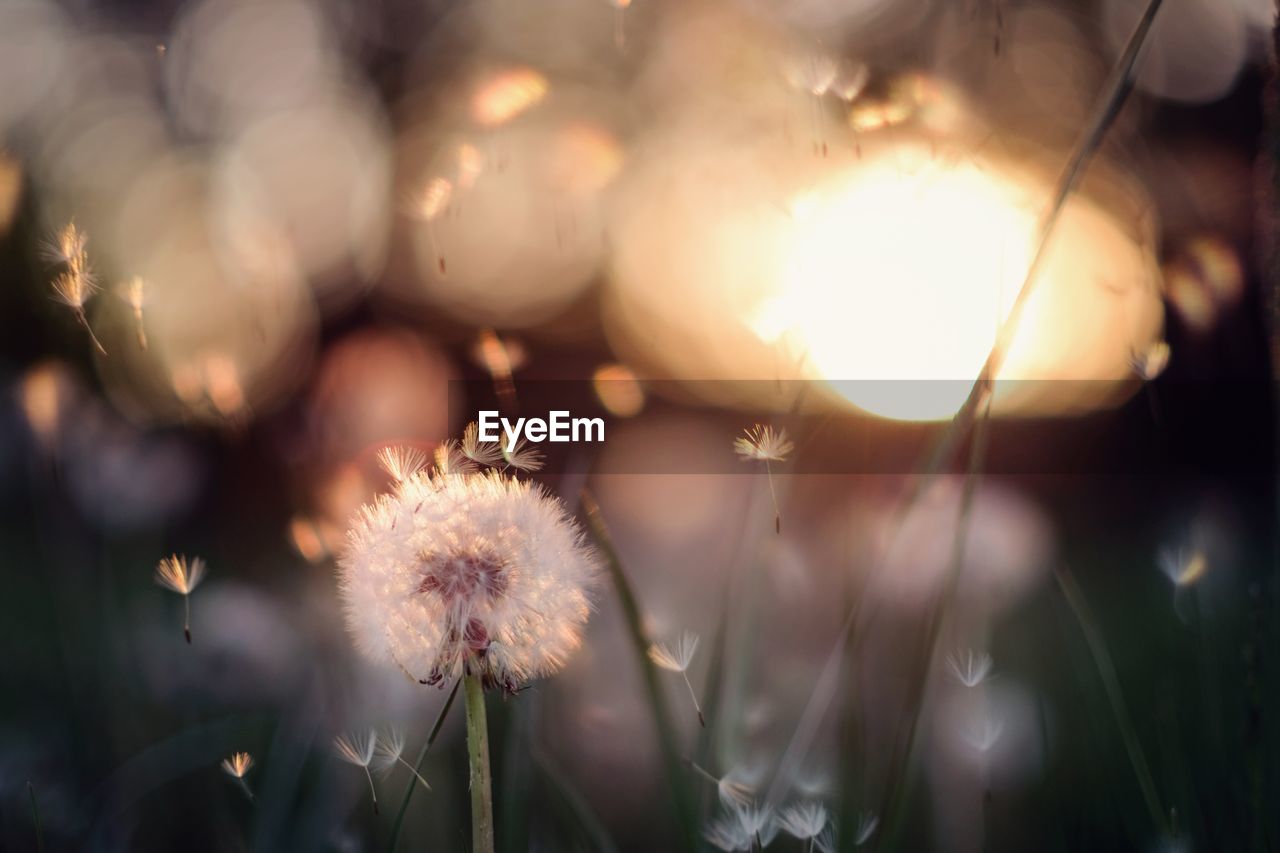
(573, 799)
(898, 789)
(1111, 685)
(35, 816)
(417, 766)
(1115, 92)
(640, 643)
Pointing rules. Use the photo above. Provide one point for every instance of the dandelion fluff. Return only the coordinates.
(484, 568)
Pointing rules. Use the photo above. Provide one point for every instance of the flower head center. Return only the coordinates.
(463, 574)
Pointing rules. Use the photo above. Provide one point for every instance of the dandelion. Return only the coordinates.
(970, 668)
(1148, 364)
(804, 821)
(401, 463)
(814, 72)
(731, 793)
(358, 749)
(677, 660)
(489, 581)
(179, 575)
(767, 445)
(76, 284)
(238, 764)
(133, 293)
(390, 749)
(450, 461)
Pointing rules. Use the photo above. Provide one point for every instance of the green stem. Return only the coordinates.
(478, 753)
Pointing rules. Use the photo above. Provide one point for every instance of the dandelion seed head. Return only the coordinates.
(678, 657)
(741, 826)
(734, 793)
(970, 668)
(179, 574)
(764, 444)
(356, 747)
(484, 568)
(804, 820)
(238, 764)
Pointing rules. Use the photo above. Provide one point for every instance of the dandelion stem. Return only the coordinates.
(35, 816)
(244, 786)
(186, 625)
(422, 756)
(478, 754)
(1111, 684)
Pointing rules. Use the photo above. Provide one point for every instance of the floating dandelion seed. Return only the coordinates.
(867, 824)
(804, 821)
(731, 793)
(1149, 364)
(523, 456)
(470, 165)
(814, 73)
(179, 575)
(970, 668)
(402, 462)
(850, 82)
(767, 445)
(500, 359)
(358, 749)
(67, 246)
(486, 453)
(677, 660)
(450, 461)
(742, 828)
(236, 766)
(74, 286)
(133, 293)
(1183, 566)
(390, 748)
(426, 205)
